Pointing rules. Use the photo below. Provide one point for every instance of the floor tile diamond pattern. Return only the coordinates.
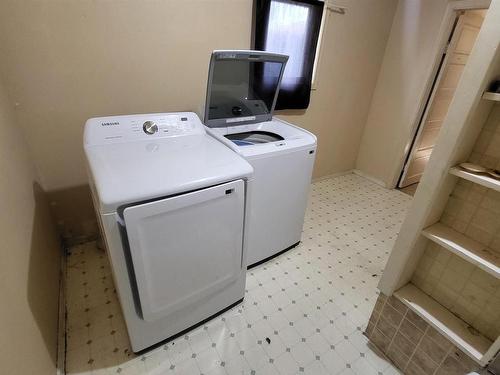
(303, 312)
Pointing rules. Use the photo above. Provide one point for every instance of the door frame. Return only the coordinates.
(444, 60)
(445, 31)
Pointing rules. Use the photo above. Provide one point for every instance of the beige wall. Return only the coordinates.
(68, 61)
(408, 62)
(351, 54)
(64, 62)
(29, 266)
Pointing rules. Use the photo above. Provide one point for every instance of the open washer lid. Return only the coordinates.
(242, 87)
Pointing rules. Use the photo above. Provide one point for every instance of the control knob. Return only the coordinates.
(150, 127)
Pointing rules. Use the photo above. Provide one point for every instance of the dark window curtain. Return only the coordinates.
(290, 27)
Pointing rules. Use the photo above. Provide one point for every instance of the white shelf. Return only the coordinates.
(454, 328)
(464, 247)
(491, 96)
(483, 180)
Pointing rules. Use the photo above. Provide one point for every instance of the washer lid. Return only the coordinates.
(242, 87)
(144, 169)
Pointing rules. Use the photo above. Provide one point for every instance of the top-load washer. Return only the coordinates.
(171, 201)
(241, 95)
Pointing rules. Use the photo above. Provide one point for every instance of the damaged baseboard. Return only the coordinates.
(78, 240)
(61, 329)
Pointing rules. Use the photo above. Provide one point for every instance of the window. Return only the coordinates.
(290, 27)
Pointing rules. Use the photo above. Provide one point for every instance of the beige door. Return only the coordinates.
(459, 48)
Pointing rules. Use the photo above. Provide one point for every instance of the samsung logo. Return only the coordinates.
(110, 123)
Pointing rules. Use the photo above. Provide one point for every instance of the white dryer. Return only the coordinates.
(171, 202)
(241, 94)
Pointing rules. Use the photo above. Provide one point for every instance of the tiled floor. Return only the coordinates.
(304, 311)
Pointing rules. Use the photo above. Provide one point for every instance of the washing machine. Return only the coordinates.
(241, 95)
(171, 202)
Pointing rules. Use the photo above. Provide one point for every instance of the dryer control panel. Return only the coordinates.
(119, 129)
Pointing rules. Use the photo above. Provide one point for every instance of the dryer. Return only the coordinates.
(241, 95)
(171, 202)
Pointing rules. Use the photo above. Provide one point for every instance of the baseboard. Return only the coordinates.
(350, 171)
(78, 240)
(368, 177)
(61, 329)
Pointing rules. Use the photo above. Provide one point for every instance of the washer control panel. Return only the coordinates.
(118, 129)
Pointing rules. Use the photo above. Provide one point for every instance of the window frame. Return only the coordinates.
(316, 64)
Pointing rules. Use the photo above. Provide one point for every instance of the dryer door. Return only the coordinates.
(186, 247)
